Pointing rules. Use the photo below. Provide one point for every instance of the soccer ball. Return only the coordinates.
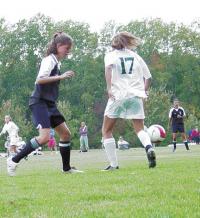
(156, 133)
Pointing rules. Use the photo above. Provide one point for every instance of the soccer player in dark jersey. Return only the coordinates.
(43, 104)
(176, 120)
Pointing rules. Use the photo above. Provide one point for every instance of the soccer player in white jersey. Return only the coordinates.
(128, 80)
(12, 129)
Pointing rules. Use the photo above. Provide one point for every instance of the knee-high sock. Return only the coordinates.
(186, 145)
(30, 146)
(144, 139)
(174, 143)
(65, 154)
(110, 148)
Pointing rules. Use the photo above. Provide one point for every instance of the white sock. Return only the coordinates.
(144, 138)
(110, 148)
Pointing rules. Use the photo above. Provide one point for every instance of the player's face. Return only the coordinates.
(7, 119)
(63, 51)
(176, 104)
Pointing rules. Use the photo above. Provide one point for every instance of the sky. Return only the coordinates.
(97, 12)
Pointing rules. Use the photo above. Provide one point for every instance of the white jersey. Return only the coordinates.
(128, 73)
(11, 128)
(47, 65)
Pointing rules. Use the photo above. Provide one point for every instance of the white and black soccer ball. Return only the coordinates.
(156, 133)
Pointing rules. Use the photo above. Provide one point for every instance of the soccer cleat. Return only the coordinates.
(73, 170)
(110, 168)
(151, 158)
(11, 167)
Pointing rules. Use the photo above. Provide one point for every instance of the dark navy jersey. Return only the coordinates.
(174, 115)
(49, 91)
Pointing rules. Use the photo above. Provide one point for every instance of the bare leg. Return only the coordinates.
(107, 129)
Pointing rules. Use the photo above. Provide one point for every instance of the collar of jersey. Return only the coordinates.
(177, 108)
(54, 58)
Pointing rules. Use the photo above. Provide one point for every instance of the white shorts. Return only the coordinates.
(129, 108)
(14, 140)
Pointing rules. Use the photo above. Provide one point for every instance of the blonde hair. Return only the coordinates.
(8, 117)
(125, 40)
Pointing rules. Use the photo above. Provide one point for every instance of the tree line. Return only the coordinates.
(171, 50)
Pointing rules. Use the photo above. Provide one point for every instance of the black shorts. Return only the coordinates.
(46, 115)
(178, 128)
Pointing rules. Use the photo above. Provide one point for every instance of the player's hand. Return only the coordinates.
(179, 116)
(110, 95)
(66, 75)
(147, 93)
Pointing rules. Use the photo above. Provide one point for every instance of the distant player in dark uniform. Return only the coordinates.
(43, 104)
(176, 120)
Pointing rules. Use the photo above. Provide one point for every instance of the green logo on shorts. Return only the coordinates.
(129, 106)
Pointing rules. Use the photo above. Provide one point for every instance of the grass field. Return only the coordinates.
(41, 190)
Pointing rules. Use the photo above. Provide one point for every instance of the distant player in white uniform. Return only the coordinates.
(128, 80)
(12, 129)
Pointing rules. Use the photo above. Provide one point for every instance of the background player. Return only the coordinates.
(12, 129)
(176, 121)
(83, 131)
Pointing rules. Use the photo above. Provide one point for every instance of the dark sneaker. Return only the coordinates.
(110, 168)
(151, 158)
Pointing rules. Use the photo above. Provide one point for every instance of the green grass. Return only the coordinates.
(41, 190)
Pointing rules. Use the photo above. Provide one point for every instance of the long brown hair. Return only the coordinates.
(125, 40)
(58, 38)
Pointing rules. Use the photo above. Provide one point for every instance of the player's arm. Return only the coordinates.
(47, 65)
(170, 119)
(147, 84)
(108, 77)
(15, 127)
(169, 122)
(50, 79)
(184, 114)
(147, 75)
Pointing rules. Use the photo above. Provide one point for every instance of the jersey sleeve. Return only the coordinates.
(15, 127)
(184, 114)
(108, 59)
(170, 113)
(46, 67)
(145, 69)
